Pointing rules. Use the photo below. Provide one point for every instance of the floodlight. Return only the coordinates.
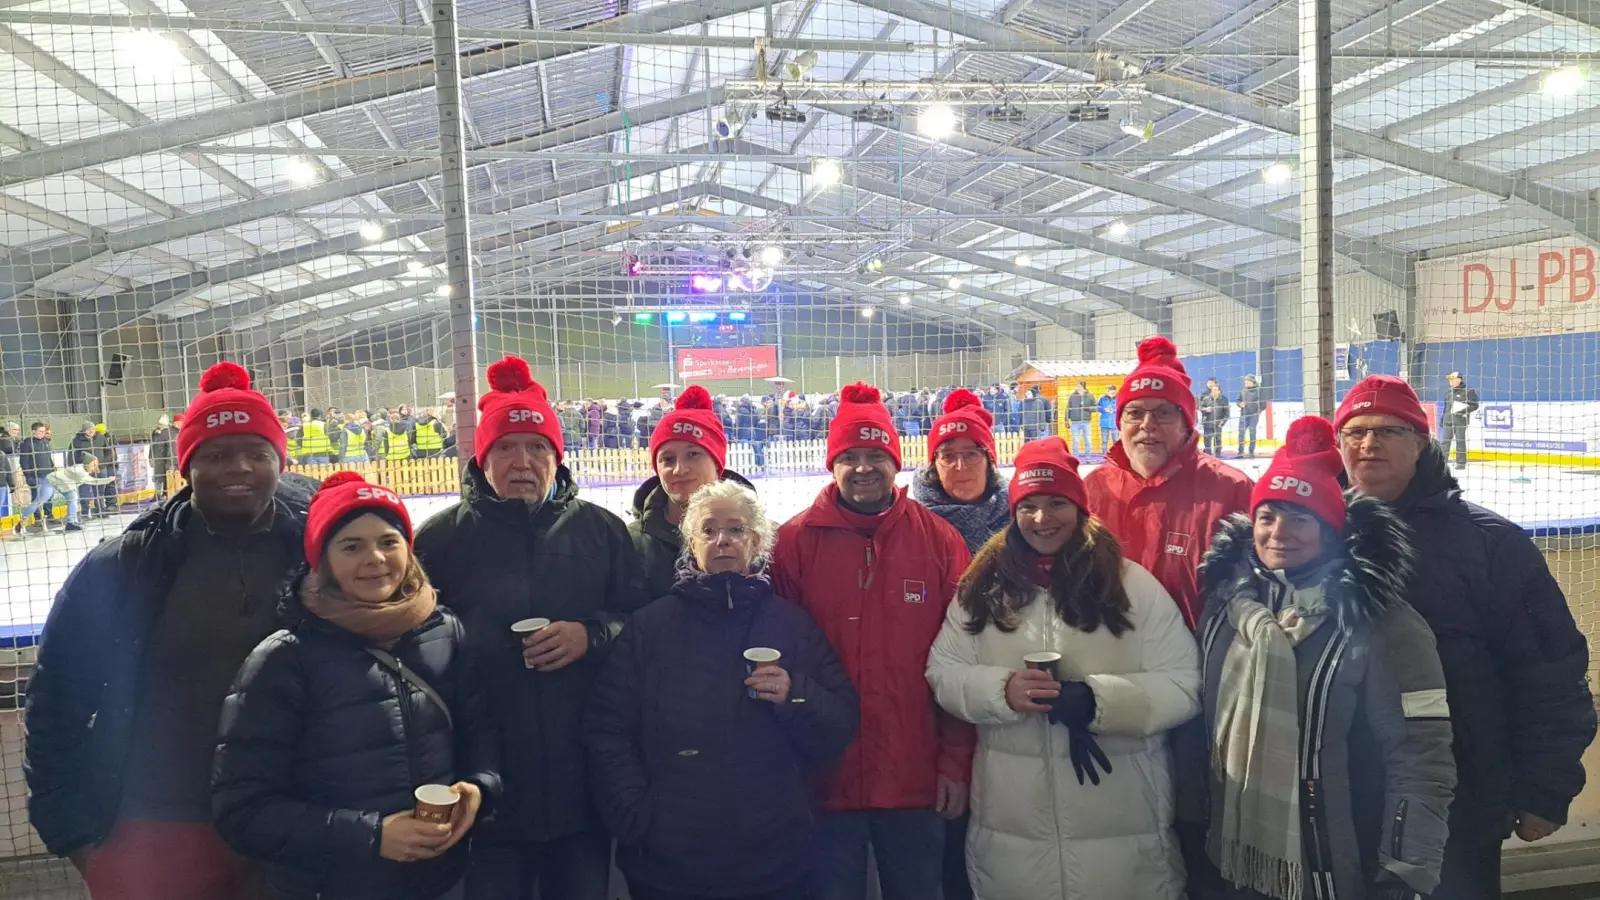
(1023, 260)
(1118, 229)
(937, 121)
(904, 300)
(303, 171)
(1564, 82)
(771, 256)
(826, 173)
(371, 231)
(799, 66)
(1277, 173)
(954, 282)
(867, 311)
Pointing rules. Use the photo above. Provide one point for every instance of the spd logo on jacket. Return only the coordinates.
(1176, 543)
(914, 592)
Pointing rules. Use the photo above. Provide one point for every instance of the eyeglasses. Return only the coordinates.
(1166, 415)
(968, 458)
(731, 532)
(1383, 433)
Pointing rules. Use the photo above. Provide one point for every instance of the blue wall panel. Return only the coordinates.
(1554, 367)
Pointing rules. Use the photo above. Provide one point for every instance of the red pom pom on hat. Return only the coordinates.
(693, 397)
(225, 375)
(510, 374)
(338, 478)
(515, 404)
(860, 392)
(964, 417)
(1158, 350)
(1160, 376)
(1308, 435)
(227, 405)
(692, 420)
(960, 398)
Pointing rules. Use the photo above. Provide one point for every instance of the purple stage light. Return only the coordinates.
(705, 284)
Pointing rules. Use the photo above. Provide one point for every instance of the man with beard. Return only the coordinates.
(876, 571)
(139, 651)
(519, 545)
(1514, 661)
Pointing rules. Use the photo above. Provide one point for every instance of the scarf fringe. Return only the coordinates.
(1249, 867)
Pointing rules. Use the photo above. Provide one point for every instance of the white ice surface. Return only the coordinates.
(33, 569)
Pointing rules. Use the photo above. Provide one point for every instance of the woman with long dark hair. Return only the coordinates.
(1072, 792)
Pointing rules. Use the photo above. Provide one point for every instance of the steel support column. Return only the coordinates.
(1316, 206)
(457, 231)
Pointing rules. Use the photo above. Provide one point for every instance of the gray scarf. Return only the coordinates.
(977, 521)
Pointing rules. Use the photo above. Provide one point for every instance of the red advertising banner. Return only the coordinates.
(717, 363)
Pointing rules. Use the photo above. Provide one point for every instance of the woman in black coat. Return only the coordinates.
(702, 768)
(333, 724)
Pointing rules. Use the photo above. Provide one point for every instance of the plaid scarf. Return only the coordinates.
(1255, 747)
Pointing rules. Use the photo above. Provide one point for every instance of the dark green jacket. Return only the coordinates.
(494, 562)
(657, 541)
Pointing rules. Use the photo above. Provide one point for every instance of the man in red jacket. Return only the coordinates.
(876, 570)
(1157, 492)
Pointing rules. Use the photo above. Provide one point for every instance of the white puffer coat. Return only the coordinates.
(1036, 833)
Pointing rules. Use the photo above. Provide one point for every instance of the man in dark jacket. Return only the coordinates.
(1459, 405)
(36, 462)
(1514, 661)
(1213, 408)
(1037, 422)
(139, 651)
(1080, 416)
(521, 544)
(163, 453)
(1250, 407)
(84, 443)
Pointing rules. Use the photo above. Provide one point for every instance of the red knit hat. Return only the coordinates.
(341, 494)
(1382, 395)
(1159, 375)
(227, 405)
(1047, 466)
(964, 417)
(515, 404)
(863, 422)
(1305, 471)
(692, 420)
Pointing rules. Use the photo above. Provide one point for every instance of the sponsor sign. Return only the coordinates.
(1545, 287)
(715, 363)
(1547, 427)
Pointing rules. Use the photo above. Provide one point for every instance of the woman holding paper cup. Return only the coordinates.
(355, 751)
(1072, 784)
(712, 714)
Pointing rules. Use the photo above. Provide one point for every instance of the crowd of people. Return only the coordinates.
(1343, 680)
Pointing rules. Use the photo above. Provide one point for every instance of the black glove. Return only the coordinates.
(1085, 752)
(1074, 706)
(1388, 887)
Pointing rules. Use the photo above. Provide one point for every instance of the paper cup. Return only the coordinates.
(435, 803)
(524, 628)
(759, 658)
(1044, 661)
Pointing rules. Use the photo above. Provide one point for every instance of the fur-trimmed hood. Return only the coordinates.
(1375, 565)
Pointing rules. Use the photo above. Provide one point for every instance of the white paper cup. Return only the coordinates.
(524, 628)
(435, 803)
(759, 658)
(1044, 661)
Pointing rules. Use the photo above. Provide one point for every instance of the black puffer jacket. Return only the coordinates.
(658, 541)
(1514, 660)
(319, 741)
(495, 562)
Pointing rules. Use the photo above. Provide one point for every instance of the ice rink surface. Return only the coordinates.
(1537, 497)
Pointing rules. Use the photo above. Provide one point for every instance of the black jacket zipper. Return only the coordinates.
(1397, 841)
(403, 691)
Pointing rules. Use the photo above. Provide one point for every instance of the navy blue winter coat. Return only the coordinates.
(320, 741)
(708, 791)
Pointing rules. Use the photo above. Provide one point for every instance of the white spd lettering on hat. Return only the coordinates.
(227, 416)
(525, 415)
(1362, 405)
(1289, 483)
(875, 434)
(373, 493)
(1147, 384)
(688, 428)
(951, 428)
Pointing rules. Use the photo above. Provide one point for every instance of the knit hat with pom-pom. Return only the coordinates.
(226, 405)
(692, 419)
(1305, 471)
(342, 497)
(1160, 376)
(862, 422)
(964, 417)
(515, 404)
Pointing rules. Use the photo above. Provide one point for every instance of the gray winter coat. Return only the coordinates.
(1380, 776)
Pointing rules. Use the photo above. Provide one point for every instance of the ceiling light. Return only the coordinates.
(1006, 114)
(825, 173)
(731, 123)
(1564, 82)
(443, 290)
(1023, 260)
(937, 121)
(1144, 131)
(771, 256)
(954, 282)
(416, 267)
(1277, 173)
(371, 231)
(872, 114)
(800, 65)
(151, 53)
(1118, 229)
(784, 111)
(904, 300)
(867, 311)
(876, 264)
(1089, 114)
(303, 171)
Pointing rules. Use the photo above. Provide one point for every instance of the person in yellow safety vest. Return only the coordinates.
(427, 436)
(292, 430)
(315, 448)
(352, 441)
(396, 446)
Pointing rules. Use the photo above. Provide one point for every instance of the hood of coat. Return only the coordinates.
(1375, 563)
(723, 593)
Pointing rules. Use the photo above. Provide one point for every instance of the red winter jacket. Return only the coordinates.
(1166, 523)
(881, 601)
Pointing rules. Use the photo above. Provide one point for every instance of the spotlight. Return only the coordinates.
(799, 66)
(1144, 131)
(416, 267)
(872, 114)
(937, 121)
(705, 284)
(1023, 260)
(771, 256)
(1006, 114)
(443, 290)
(303, 171)
(1118, 229)
(730, 124)
(826, 173)
(1277, 173)
(784, 111)
(904, 300)
(954, 282)
(371, 231)
(1089, 114)
(875, 264)
(867, 312)
(632, 266)
(1564, 82)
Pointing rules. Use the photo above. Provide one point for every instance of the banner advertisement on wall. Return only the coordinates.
(1547, 287)
(719, 363)
(133, 468)
(1547, 427)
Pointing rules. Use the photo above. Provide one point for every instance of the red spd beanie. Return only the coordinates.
(515, 404)
(1382, 395)
(692, 420)
(1159, 375)
(1305, 471)
(863, 422)
(1046, 466)
(964, 417)
(227, 405)
(342, 495)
